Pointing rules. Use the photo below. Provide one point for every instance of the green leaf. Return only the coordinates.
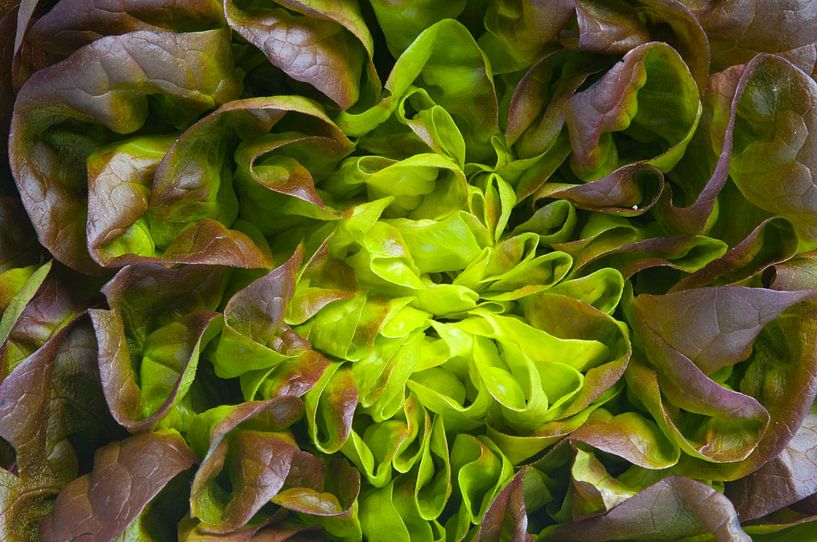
(518, 31)
(150, 340)
(445, 61)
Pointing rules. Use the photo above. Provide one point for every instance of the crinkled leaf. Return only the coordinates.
(773, 139)
(633, 98)
(446, 61)
(57, 124)
(71, 24)
(247, 446)
(614, 26)
(123, 233)
(150, 339)
(518, 31)
(720, 326)
(538, 106)
(773, 241)
(254, 336)
(783, 360)
(608, 242)
(631, 437)
(711, 327)
(49, 405)
(784, 480)
(333, 48)
(671, 508)
(628, 191)
(51, 298)
(126, 477)
(738, 33)
(257, 464)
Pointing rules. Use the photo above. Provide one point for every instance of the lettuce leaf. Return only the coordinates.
(555, 278)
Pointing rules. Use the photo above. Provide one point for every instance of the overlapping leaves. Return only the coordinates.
(553, 278)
